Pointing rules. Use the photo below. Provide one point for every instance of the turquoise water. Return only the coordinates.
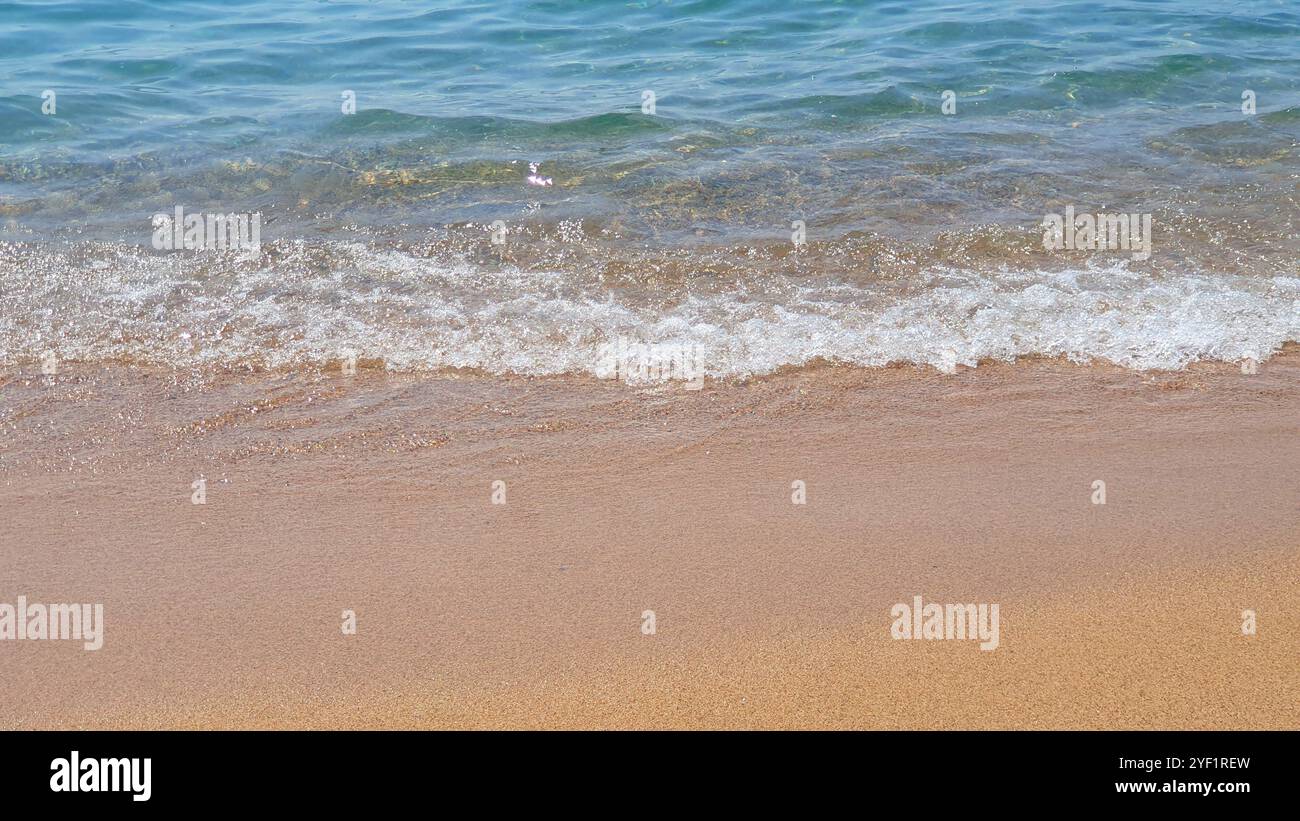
(236, 74)
(765, 113)
(751, 96)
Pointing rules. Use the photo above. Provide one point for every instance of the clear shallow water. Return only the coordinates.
(671, 227)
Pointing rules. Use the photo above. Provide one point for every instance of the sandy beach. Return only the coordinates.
(373, 492)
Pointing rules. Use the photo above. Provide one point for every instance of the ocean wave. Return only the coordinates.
(314, 305)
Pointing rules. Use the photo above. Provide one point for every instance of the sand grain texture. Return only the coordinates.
(373, 493)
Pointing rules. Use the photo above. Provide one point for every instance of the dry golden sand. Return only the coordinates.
(1167, 655)
(372, 493)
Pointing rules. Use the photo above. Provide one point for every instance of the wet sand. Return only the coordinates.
(373, 493)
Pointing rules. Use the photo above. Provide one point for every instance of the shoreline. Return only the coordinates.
(374, 493)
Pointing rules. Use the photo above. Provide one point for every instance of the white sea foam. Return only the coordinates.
(415, 313)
